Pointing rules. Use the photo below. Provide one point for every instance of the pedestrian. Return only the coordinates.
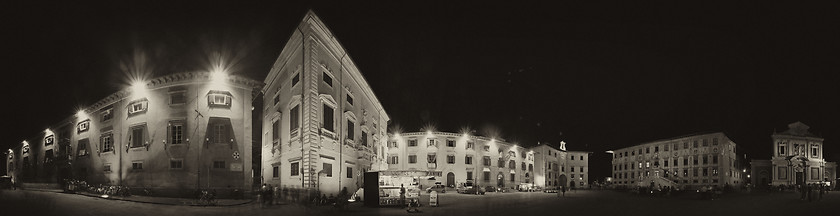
(563, 189)
(802, 191)
(275, 196)
(822, 190)
(402, 194)
(808, 191)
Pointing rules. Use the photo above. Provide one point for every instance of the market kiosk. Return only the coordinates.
(386, 190)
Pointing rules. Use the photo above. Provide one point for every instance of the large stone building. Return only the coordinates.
(458, 158)
(173, 134)
(322, 125)
(797, 159)
(686, 162)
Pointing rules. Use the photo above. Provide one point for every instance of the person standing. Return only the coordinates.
(402, 194)
(563, 189)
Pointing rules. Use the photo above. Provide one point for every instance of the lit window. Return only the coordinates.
(219, 98)
(138, 106)
(83, 126)
(107, 142)
(82, 148)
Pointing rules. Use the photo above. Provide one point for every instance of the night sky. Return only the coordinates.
(598, 76)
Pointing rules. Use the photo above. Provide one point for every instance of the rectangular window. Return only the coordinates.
(469, 175)
(468, 159)
(137, 138)
(666, 147)
(107, 114)
(695, 160)
(277, 98)
(581, 157)
(393, 160)
(450, 159)
(295, 79)
(486, 176)
(714, 141)
(705, 171)
(327, 79)
(572, 157)
(470, 145)
(450, 143)
(666, 163)
(431, 142)
(714, 159)
(675, 162)
(218, 164)
(412, 159)
(294, 118)
(107, 168)
(328, 118)
(500, 163)
(647, 150)
(176, 164)
(350, 100)
(512, 177)
(349, 172)
(176, 98)
(431, 158)
(275, 171)
(705, 142)
(685, 145)
(695, 143)
(781, 149)
(327, 170)
(82, 148)
(685, 161)
(138, 106)
(656, 149)
(295, 168)
(815, 151)
(364, 138)
(412, 143)
(219, 98)
(685, 172)
(176, 132)
(82, 127)
(676, 146)
(393, 144)
(486, 148)
(219, 135)
(705, 159)
(107, 142)
(137, 165)
(694, 172)
(351, 130)
(486, 160)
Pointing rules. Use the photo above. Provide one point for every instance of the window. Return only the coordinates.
(107, 168)
(83, 126)
(219, 135)
(714, 159)
(705, 142)
(572, 157)
(694, 172)
(412, 159)
(685, 172)
(676, 146)
(432, 142)
(176, 132)
(647, 150)
(695, 160)
(277, 98)
(685, 145)
(431, 158)
(82, 149)
(351, 130)
(327, 79)
(176, 98)
(486, 160)
(815, 151)
(573, 175)
(486, 148)
(364, 138)
(295, 79)
(218, 164)
(523, 166)
(470, 145)
(685, 161)
(138, 106)
(500, 163)
(666, 163)
(705, 159)
(107, 114)
(714, 171)
(393, 160)
(695, 143)
(469, 175)
(781, 149)
(137, 136)
(656, 149)
(486, 176)
(705, 171)
(675, 162)
(295, 168)
(450, 159)
(512, 177)
(450, 143)
(581, 157)
(275, 132)
(328, 117)
(350, 100)
(327, 170)
(412, 143)
(666, 147)
(714, 141)
(512, 164)
(530, 167)
(107, 142)
(294, 118)
(349, 172)
(393, 144)
(468, 159)
(137, 165)
(176, 164)
(219, 98)
(275, 171)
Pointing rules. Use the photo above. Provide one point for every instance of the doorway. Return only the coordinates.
(450, 179)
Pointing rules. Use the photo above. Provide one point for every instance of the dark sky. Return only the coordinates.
(599, 76)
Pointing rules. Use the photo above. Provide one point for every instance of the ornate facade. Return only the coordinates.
(797, 159)
(322, 125)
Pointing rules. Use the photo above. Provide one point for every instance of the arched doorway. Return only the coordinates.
(450, 179)
(501, 180)
(563, 180)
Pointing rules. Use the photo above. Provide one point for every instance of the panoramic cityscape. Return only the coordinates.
(321, 108)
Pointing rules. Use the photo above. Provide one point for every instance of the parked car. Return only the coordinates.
(438, 188)
(474, 190)
(550, 190)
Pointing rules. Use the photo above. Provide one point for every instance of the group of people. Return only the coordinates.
(812, 191)
(268, 195)
(707, 192)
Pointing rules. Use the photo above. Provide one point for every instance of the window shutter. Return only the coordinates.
(168, 135)
(146, 140)
(128, 144)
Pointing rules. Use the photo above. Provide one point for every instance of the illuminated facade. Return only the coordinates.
(797, 159)
(686, 162)
(558, 167)
(172, 134)
(458, 158)
(322, 125)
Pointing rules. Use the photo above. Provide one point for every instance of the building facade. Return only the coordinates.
(459, 158)
(686, 162)
(323, 127)
(797, 159)
(173, 134)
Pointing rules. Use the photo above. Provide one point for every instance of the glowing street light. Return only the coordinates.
(81, 114)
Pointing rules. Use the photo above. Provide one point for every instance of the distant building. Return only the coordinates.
(687, 162)
(558, 167)
(797, 159)
(323, 127)
(173, 134)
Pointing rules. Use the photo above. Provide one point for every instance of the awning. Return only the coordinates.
(512, 172)
(486, 169)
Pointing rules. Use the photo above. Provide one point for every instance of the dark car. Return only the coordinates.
(474, 190)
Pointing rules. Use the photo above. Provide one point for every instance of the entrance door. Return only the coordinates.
(563, 180)
(799, 178)
(501, 180)
(450, 179)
